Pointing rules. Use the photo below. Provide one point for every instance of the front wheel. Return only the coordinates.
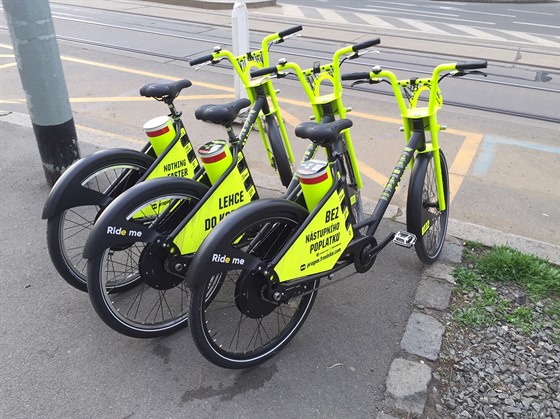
(233, 323)
(130, 285)
(423, 216)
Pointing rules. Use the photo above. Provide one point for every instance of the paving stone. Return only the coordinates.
(452, 251)
(433, 293)
(440, 271)
(423, 336)
(407, 387)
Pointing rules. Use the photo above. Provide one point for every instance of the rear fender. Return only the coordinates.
(68, 191)
(113, 229)
(216, 255)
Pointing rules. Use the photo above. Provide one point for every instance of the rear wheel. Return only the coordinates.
(423, 216)
(131, 287)
(68, 230)
(233, 323)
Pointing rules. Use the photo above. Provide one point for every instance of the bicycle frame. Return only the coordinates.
(331, 213)
(187, 237)
(258, 274)
(175, 155)
(243, 65)
(212, 208)
(421, 119)
(329, 239)
(235, 182)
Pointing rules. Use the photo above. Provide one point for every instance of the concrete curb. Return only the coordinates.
(422, 338)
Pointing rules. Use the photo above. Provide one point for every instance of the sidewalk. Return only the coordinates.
(56, 349)
(408, 376)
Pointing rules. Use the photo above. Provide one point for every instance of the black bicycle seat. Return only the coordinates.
(222, 114)
(322, 133)
(164, 90)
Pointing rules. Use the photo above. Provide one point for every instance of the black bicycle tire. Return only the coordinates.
(278, 149)
(200, 324)
(416, 212)
(103, 301)
(59, 256)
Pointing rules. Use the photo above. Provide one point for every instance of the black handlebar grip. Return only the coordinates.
(355, 76)
(289, 31)
(263, 71)
(200, 60)
(471, 65)
(366, 44)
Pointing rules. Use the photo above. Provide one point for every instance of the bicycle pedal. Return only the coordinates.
(404, 239)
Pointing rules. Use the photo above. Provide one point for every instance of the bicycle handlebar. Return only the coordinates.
(220, 53)
(378, 74)
(355, 76)
(366, 44)
(342, 51)
(200, 60)
(264, 71)
(471, 65)
(289, 31)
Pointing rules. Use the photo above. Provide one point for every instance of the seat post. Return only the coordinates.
(231, 135)
(173, 112)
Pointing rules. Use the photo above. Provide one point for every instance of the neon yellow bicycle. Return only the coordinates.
(135, 278)
(92, 183)
(255, 278)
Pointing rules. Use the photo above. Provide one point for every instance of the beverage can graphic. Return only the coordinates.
(315, 180)
(216, 158)
(161, 132)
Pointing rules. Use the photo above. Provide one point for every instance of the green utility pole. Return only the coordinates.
(42, 78)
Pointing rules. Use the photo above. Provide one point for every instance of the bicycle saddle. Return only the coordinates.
(222, 114)
(322, 134)
(164, 90)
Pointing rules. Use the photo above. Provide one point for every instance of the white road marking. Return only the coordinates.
(424, 27)
(476, 32)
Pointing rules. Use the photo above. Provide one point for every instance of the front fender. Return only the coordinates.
(113, 228)
(216, 255)
(68, 191)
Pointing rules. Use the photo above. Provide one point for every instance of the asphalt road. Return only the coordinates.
(524, 16)
(500, 164)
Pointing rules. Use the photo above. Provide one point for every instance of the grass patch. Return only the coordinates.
(481, 301)
(536, 276)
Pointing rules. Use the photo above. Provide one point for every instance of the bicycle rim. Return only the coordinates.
(130, 286)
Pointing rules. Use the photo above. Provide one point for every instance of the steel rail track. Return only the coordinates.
(306, 54)
(361, 89)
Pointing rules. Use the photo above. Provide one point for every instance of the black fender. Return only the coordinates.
(112, 229)
(68, 191)
(215, 254)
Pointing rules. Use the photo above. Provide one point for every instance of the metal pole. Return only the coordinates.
(240, 29)
(42, 78)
